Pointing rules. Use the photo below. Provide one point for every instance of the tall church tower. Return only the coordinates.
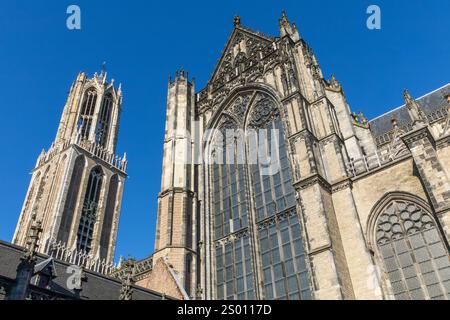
(177, 202)
(76, 186)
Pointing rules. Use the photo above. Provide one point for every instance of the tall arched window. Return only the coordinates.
(109, 216)
(283, 258)
(104, 119)
(414, 254)
(71, 201)
(253, 199)
(87, 112)
(234, 273)
(57, 184)
(89, 210)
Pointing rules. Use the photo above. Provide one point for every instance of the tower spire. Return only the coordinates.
(288, 29)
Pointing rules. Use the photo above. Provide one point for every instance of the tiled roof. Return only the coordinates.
(429, 103)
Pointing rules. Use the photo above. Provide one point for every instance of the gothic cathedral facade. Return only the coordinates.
(357, 209)
(76, 186)
(343, 208)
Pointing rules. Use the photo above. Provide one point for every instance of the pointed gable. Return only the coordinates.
(244, 49)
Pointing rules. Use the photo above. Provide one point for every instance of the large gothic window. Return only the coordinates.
(71, 201)
(109, 216)
(253, 199)
(87, 112)
(233, 259)
(89, 210)
(416, 259)
(104, 119)
(283, 258)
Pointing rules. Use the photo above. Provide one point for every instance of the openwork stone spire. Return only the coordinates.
(126, 292)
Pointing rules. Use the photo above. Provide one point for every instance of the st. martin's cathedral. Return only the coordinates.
(356, 208)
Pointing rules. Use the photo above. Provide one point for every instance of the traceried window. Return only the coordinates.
(89, 210)
(87, 112)
(108, 219)
(234, 271)
(416, 259)
(246, 193)
(71, 201)
(104, 119)
(229, 198)
(283, 258)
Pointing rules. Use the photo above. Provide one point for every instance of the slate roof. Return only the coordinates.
(429, 103)
(96, 287)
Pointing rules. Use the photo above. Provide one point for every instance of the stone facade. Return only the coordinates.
(344, 207)
(349, 175)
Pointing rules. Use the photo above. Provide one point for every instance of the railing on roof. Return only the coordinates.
(90, 147)
(141, 268)
(432, 117)
(100, 152)
(369, 163)
(81, 258)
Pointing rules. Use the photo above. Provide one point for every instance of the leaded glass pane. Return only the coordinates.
(283, 269)
(415, 257)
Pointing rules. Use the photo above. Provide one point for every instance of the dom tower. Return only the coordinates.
(76, 186)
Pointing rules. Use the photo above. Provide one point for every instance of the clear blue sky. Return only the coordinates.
(145, 41)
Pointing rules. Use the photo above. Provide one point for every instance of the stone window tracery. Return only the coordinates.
(104, 121)
(87, 112)
(415, 257)
(245, 194)
(71, 201)
(89, 210)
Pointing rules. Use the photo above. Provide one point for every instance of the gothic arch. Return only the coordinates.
(381, 204)
(72, 199)
(108, 219)
(104, 120)
(89, 211)
(87, 111)
(213, 123)
(240, 198)
(409, 248)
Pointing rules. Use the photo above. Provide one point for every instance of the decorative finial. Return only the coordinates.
(284, 19)
(104, 67)
(415, 111)
(126, 291)
(334, 83)
(407, 96)
(237, 20)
